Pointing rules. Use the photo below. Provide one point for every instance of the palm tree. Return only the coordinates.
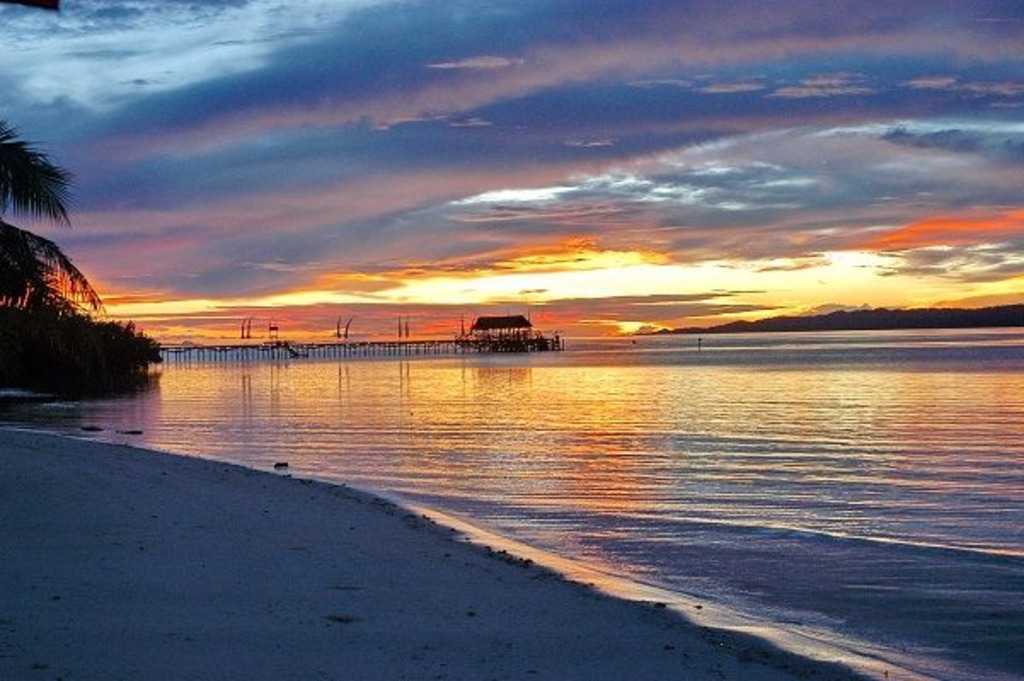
(48, 341)
(34, 272)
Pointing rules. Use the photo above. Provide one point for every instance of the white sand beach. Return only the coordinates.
(119, 563)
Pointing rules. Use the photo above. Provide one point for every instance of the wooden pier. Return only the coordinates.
(284, 350)
(487, 335)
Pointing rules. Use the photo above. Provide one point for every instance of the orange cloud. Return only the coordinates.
(952, 230)
(577, 253)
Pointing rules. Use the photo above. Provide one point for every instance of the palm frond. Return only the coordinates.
(29, 182)
(35, 272)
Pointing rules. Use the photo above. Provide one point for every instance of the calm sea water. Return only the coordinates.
(851, 495)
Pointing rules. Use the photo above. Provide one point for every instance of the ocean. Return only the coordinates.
(854, 496)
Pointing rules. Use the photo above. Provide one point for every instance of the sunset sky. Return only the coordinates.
(604, 165)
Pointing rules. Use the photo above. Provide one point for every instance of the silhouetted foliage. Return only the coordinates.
(35, 273)
(47, 341)
(70, 354)
(29, 182)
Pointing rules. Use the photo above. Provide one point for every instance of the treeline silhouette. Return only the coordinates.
(48, 340)
(72, 354)
(875, 320)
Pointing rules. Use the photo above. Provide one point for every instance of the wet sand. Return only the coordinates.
(119, 563)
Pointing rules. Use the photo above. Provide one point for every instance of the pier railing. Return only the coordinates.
(345, 349)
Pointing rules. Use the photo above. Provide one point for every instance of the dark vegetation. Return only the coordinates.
(72, 354)
(49, 339)
(878, 319)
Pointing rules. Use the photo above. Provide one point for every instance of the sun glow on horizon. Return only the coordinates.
(580, 278)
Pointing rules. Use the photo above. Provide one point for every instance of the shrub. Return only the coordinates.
(68, 353)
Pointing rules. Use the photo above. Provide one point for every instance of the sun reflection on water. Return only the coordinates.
(888, 467)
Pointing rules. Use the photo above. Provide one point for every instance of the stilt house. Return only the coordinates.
(513, 333)
(510, 328)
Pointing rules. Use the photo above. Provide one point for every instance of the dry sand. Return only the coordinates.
(118, 563)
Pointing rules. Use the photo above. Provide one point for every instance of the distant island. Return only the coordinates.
(872, 320)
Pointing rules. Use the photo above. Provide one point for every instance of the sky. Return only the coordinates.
(601, 166)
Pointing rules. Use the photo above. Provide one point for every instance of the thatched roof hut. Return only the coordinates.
(499, 324)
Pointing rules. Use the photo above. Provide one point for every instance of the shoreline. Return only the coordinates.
(730, 626)
(128, 563)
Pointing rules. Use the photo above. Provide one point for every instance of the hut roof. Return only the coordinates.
(500, 323)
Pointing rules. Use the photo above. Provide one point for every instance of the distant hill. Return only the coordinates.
(877, 319)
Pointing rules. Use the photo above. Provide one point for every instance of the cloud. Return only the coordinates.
(1000, 143)
(636, 313)
(663, 82)
(834, 85)
(356, 62)
(473, 122)
(975, 264)
(160, 47)
(589, 143)
(730, 88)
(932, 83)
(483, 63)
(953, 230)
(977, 88)
(269, 146)
(766, 198)
(978, 246)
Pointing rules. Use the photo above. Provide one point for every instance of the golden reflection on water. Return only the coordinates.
(858, 450)
(853, 456)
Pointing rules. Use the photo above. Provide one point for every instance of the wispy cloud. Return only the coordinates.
(835, 85)
(732, 88)
(947, 231)
(978, 88)
(482, 63)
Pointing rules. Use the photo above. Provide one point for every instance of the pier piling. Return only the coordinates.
(275, 350)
